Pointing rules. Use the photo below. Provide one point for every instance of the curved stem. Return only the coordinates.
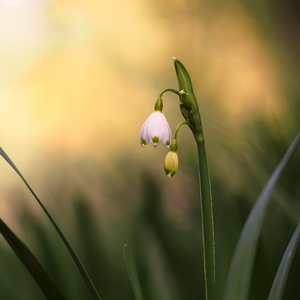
(179, 125)
(169, 90)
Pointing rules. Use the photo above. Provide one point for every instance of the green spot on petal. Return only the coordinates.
(155, 140)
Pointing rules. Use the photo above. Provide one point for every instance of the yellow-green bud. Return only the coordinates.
(171, 163)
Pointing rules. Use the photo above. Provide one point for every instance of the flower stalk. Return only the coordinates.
(156, 129)
(190, 111)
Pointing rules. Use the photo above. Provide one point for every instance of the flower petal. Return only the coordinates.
(156, 129)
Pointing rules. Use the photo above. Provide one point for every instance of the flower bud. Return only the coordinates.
(171, 163)
(185, 111)
(185, 99)
(187, 96)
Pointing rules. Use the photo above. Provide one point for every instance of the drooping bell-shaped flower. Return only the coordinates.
(156, 130)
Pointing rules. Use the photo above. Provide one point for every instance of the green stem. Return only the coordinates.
(207, 221)
(169, 90)
(179, 125)
(190, 111)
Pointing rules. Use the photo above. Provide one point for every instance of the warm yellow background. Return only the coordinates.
(78, 78)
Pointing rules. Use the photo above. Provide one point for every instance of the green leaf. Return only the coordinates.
(132, 273)
(238, 280)
(284, 267)
(81, 269)
(39, 274)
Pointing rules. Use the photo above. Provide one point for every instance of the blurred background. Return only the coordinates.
(77, 81)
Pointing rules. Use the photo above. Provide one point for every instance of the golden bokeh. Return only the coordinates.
(79, 78)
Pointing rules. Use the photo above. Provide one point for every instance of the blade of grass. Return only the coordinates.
(81, 269)
(238, 280)
(132, 273)
(39, 274)
(284, 267)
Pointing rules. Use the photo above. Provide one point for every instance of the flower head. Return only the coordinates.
(156, 129)
(171, 163)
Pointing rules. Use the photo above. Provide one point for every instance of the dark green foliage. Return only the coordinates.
(37, 271)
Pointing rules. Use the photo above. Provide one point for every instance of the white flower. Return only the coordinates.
(156, 129)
